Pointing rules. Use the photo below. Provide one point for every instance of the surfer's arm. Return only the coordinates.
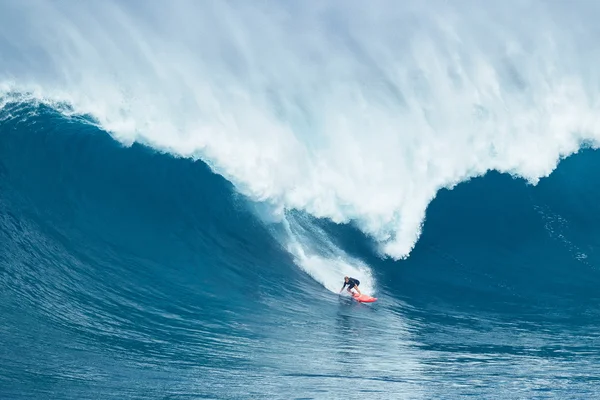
(343, 287)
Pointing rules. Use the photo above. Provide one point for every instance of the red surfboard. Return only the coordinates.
(363, 298)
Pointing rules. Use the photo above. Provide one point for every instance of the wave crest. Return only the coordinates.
(348, 113)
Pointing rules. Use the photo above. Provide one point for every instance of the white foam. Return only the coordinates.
(314, 252)
(346, 110)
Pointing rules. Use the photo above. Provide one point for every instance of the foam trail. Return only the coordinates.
(344, 110)
(321, 259)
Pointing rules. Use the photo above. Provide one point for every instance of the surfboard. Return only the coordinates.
(363, 298)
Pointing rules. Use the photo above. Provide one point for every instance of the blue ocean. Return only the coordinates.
(184, 186)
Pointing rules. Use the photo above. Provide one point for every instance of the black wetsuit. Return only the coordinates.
(351, 283)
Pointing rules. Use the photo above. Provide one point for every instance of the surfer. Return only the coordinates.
(352, 283)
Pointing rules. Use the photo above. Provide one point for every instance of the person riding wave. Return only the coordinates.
(352, 284)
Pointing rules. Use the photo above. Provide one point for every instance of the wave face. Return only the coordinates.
(182, 190)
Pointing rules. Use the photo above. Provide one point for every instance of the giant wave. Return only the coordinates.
(183, 188)
(331, 109)
(127, 273)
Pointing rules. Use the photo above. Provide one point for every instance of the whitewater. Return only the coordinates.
(353, 113)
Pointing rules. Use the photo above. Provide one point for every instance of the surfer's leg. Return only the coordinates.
(350, 289)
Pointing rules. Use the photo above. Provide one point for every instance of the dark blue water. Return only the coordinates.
(129, 274)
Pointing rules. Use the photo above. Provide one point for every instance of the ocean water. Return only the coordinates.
(183, 188)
